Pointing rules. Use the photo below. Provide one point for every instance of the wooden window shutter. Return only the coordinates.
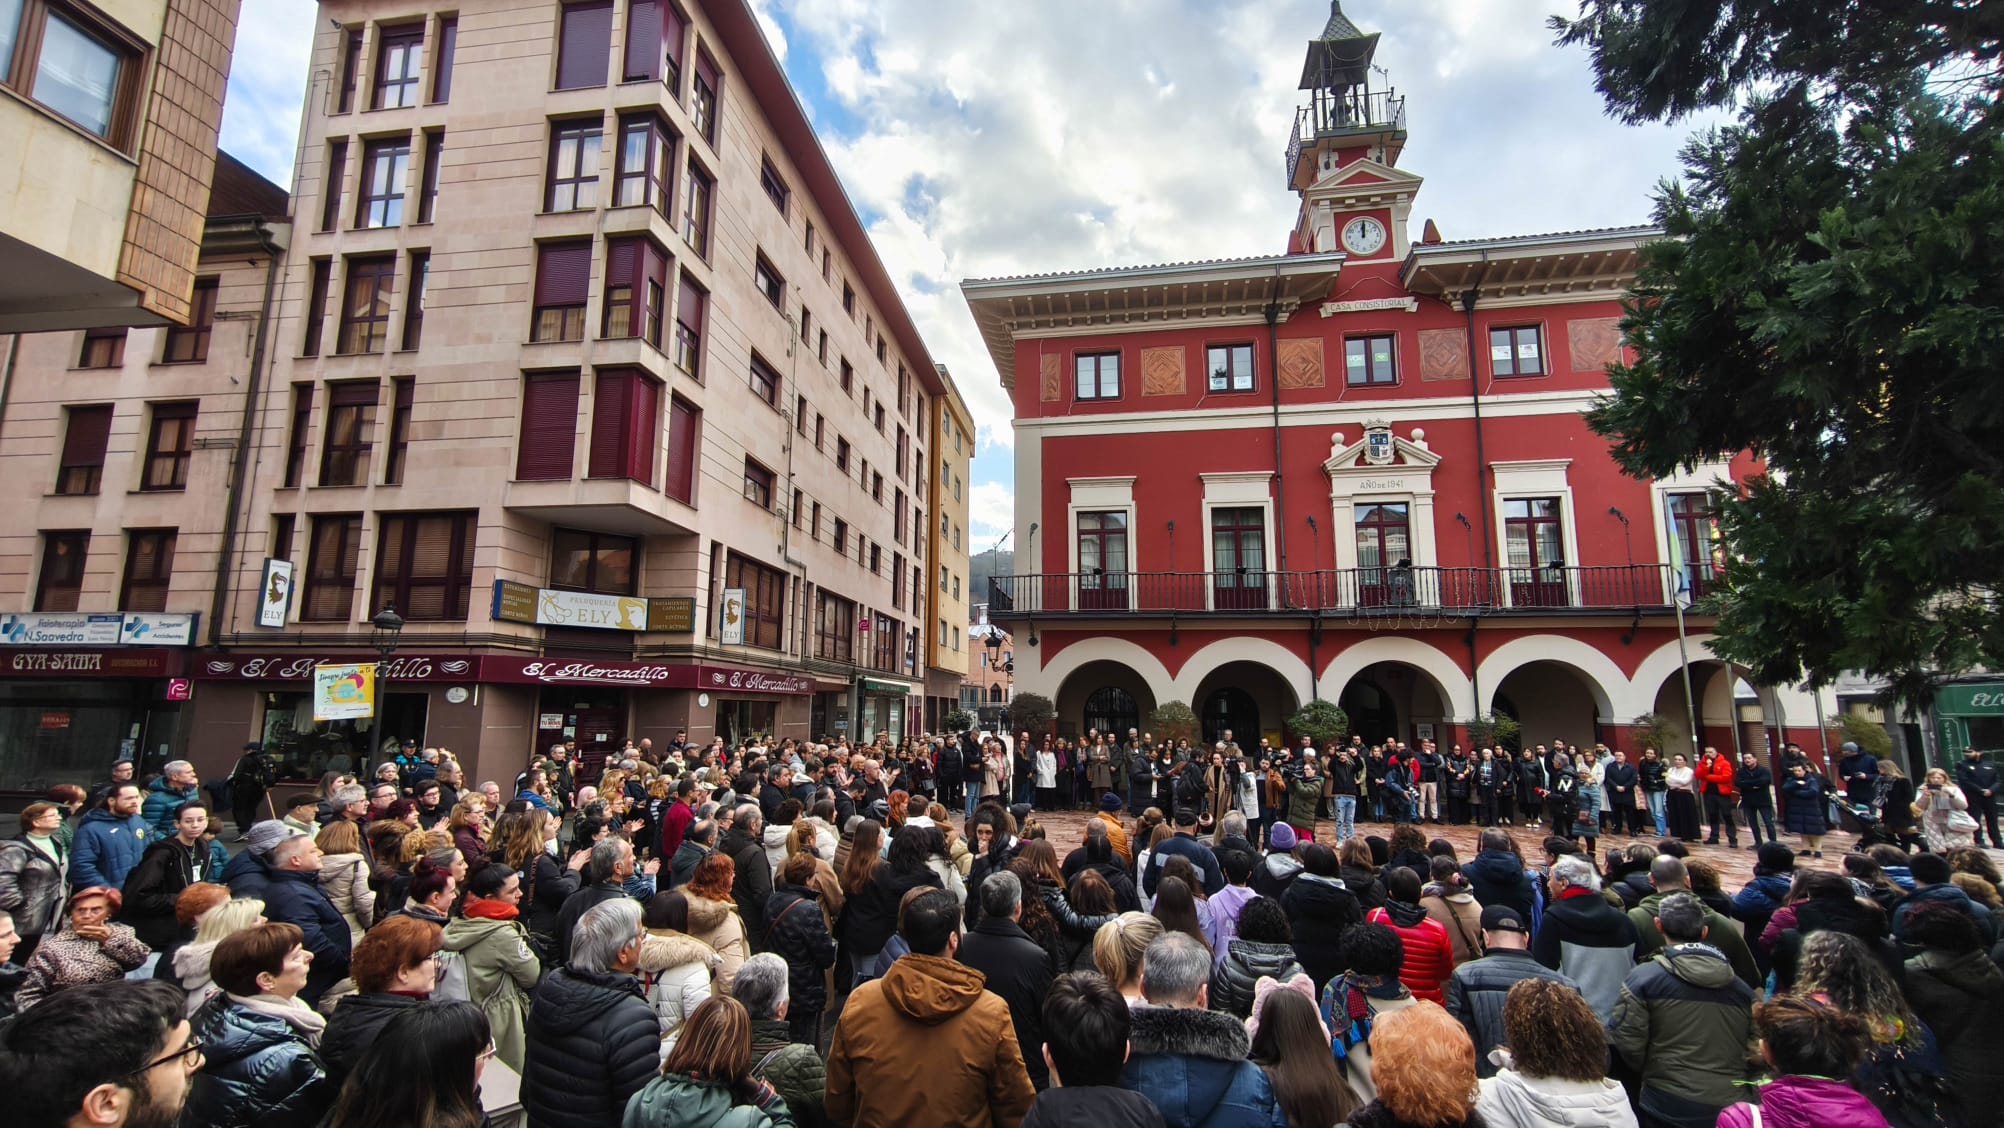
(549, 434)
(622, 261)
(642, 429)
(563, 273)
(354, 393)
(611, 417)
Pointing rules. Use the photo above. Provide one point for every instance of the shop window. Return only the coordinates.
(85, 435)
(149, 569)
(333, 555)
(424, 565)
(592, 561)
(765, 599)
(59, 585)
(189, 344)
(547, 446)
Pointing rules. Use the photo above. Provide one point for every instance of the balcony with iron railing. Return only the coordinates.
(1360, 593)
(1337, 114)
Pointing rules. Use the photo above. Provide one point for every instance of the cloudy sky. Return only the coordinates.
(980, 139)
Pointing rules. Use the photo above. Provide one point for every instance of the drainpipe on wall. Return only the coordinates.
(240, 465)
(1468, 301)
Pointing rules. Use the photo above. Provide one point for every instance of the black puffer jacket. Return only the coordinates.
(593, 1043)
(353, 1027)
(1245, 961)
(258, 1071)
(752, 885)
(796, 933)
(1318, 910)
(152, 888)
(869, 917)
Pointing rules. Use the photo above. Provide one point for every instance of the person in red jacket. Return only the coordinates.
(1429, 952)
(1715, 784)
(676, 819)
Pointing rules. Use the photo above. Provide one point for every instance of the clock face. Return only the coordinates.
(1363, 235)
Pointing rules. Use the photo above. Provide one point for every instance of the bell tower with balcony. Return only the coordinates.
(1343, 156)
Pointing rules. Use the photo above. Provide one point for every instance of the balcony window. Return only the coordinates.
(149, 570)
(1238, 558)
(1370, 360)
(1701, 548)
(399, 52)
(646, 153)
(563, 282)
(385, 167)
(189, 344)
(1517, 351)
(590, 561)
(573, 178)
(424, 565)
(1098, 376)
(365, 307)
(1384, 553)
(625, 425)
(1533, 542)
(170, 444)
(59, 584)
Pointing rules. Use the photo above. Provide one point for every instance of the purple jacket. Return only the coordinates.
(1806, 1102)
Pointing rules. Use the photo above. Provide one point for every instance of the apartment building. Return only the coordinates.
(586, 369)
(947, 654)
(127, 450)
(109, 111)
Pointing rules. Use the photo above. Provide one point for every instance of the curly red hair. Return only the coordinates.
(1423, 1066)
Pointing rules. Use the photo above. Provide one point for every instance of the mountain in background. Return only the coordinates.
(983, 565)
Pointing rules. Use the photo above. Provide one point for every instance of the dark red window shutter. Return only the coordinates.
(622, 257)
(673, 25)
(549, 427)
(585, 48)
(683, 423)
(611, 411)
(563, 273)
(643, 40)
(642, 429)
(689, 308)
(706, 69)
(90, 428)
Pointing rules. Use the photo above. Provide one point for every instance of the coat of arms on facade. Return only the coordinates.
(1378, 442)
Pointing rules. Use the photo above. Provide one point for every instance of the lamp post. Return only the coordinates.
(993, 642)
(388, 628)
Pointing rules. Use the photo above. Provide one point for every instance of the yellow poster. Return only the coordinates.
(344, 693)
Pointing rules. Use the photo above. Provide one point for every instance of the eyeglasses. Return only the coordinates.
(488, 1052)
(190, 1052)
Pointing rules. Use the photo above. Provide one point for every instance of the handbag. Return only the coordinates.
(1960, 822)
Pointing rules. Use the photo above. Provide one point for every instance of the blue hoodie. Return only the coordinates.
(106, 849)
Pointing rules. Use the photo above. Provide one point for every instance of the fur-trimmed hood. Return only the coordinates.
(666, 948)
(1186, 1032)
(704, 914)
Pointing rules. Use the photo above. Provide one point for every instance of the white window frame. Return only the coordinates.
(1535, 478)
(1241, 490)
(1410, 481)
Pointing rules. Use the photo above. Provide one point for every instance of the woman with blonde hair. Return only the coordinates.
(1117, 951)
(191, 960)
(344, 876)
(520, 842)
(1893, 794)
(1945, 821)
(468, 824)
(1423, 1066)
(707, 1080)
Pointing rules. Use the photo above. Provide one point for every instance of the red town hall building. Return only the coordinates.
(1357, 471)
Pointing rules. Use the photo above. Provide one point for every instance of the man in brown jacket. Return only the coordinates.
(926, 1044)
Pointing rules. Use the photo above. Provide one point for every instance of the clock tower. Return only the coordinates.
(1343, 157)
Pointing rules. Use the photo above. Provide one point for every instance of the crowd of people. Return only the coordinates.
(792, 933)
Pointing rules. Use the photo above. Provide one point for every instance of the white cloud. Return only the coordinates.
(268, 79)
(775, 36)
(991, 511)
(1002, 139)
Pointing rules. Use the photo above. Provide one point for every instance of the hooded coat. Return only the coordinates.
(927, 1018)
(1497, 877)
(674, 1100)
(1192, 1065)
(256, 1070)
(1457, 911)
(1806, 1102)
(1318, 910)
(500, 973)
(1429, 953)
(1685, 1024)
(1592, 943)
(1512, 1100)
(1961, 999)
(1237, 976)
(716, 924)
(675, 971)
(1274, 874)
(798, 933)
(592, 1045)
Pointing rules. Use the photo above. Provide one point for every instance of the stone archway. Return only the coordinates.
(1249, 698)
(1394, 700)
(1551, 700)
(1093, 693)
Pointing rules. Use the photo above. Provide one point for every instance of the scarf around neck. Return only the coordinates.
(478, 908)
(304, 1020)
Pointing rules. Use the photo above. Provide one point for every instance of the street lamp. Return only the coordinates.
(388, 627)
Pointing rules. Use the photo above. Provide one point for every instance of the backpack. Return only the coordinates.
(452, 984)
